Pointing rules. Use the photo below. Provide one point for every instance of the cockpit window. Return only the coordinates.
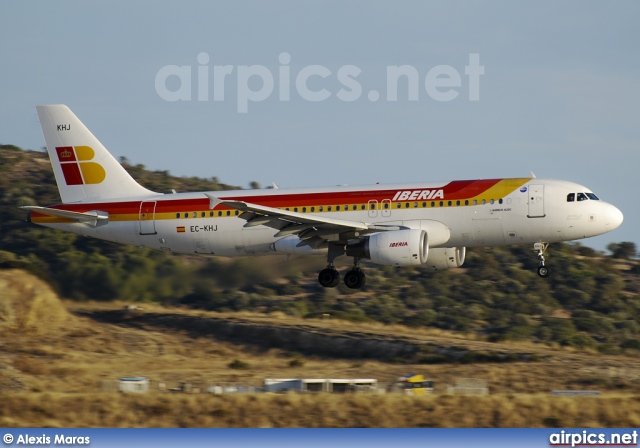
(571, 197)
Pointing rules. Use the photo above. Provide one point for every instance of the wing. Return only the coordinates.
(312, 230)
(92, 219)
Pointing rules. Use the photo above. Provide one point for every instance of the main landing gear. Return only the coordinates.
(543, 271)
(355, 278)
(330, 277)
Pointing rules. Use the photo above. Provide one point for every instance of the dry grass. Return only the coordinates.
(59, 360)
(28, 305)
(317, 410)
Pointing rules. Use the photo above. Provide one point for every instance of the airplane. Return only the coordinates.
(430, 223)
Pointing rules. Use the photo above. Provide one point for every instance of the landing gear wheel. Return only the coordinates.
(543, 272)
(329, 277)
(542, 269)
(355, 279)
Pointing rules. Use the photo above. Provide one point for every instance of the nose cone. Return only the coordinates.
(613, 217)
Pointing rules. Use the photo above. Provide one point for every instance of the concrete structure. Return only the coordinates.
(469, 386)
(335, 385)
(134, 385)
(585, 393)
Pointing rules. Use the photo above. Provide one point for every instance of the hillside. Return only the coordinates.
(29, 305)
(591, 301)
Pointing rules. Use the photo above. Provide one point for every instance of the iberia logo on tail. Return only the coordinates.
(76, 165)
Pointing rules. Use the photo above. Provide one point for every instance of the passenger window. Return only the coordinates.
(337, 208)
(441, 203)
(466, 202)
(475, 202)
(304, 209)
(491, 201)
(424, 205)
(433, 204)
(449, 204)
(571, 197)
(500, 202)
(329, 208)
(399, 205)
(484, 202)
(313, 209)
(203, 214)
(415, 205)
(582, 197)
(178, 215)
(321, 208)
(457, 202)
(219, 213)
(386, 205)
(228, 212)
(295, 209)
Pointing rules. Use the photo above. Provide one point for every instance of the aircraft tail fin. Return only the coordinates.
(84, 169)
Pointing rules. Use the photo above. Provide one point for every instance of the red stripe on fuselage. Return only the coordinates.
(463, 189)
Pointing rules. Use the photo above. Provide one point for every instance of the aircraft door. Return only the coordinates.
(386, 208)
(147, 218)
(372, 206)
(536, 201)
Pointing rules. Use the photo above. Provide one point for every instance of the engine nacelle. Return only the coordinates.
(446, 257)
(408, 247)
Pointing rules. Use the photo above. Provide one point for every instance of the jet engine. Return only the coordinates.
(446, 257)
(408, 247)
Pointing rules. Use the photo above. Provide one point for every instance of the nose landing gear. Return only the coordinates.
(543, 271)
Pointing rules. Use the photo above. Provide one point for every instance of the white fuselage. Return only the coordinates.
(537, 211)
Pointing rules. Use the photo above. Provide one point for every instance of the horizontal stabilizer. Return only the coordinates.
(93, 218)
